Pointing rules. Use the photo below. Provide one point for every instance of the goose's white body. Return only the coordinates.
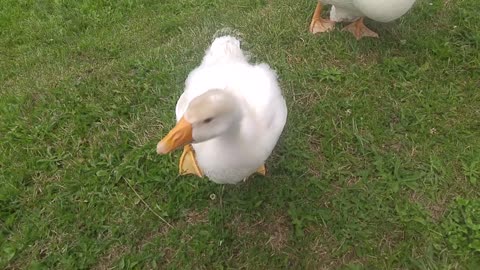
(230, 158)
(377, 10)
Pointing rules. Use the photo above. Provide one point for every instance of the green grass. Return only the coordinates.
(378, 166)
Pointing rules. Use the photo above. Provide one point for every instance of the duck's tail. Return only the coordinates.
(224, 49)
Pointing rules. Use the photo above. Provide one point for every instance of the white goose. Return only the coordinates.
(229, 117)
(357, 10)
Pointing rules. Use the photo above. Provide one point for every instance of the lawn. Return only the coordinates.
(378, 166)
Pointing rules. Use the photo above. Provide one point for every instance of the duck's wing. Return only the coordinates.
(263, 94)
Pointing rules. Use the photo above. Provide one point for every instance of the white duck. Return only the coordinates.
(356, 10)
(232, 114)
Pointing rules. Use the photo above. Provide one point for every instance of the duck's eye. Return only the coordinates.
(208, 120)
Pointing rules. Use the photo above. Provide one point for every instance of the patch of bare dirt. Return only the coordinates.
(324, 246)
(151, 236)
(368, 59)
(196, 217)
(315, 146)
(279, 230)
(276, 230)
(110, 257)
(306, 100)
(435, 209)
(390, 240)
(353, 180)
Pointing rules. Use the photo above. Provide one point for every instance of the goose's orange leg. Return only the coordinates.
(359, 30)
(318, 24)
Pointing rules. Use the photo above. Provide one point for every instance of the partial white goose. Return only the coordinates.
(229, 117)
(357, 10)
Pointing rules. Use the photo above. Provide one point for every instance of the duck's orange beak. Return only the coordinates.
(179, 136)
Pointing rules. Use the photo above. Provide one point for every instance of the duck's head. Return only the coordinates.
(208, 116)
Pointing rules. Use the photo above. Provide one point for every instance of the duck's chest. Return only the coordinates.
(227, 164)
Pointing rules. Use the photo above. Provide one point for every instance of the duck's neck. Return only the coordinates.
(239, 131)
(232, 135)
